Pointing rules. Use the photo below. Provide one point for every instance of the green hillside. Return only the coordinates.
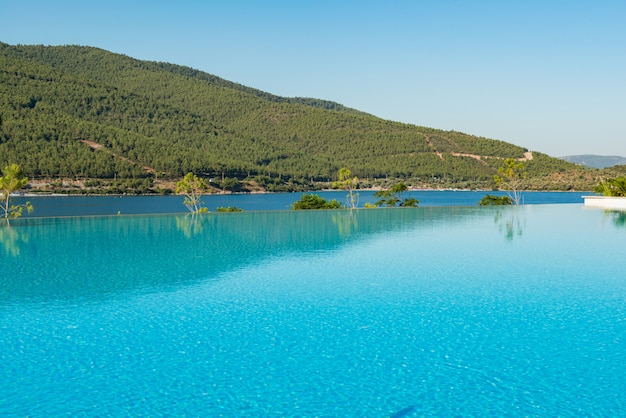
(72, 112)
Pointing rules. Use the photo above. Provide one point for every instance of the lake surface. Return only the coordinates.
(447, 311)
(46, 206)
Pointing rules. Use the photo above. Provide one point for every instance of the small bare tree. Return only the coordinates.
(192, 187)
(12, 180)
(347, 182)
(511, 178)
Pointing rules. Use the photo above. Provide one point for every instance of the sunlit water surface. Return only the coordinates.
(375, 313)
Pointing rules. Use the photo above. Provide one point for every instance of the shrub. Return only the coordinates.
(612, 187)
(229, 209)
(313, 201)
(491, 200)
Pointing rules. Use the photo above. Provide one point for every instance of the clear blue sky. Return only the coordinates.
(546, 75)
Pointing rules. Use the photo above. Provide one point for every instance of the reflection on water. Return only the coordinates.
(346, 222)
(510, 221)
(618, 217)
(12, 239)
(191, 224)
(69, 258)
(99, 257)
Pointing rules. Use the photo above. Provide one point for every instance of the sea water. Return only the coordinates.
(514, 311)
(55, 206)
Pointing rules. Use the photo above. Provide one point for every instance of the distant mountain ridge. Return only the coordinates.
(596, 161)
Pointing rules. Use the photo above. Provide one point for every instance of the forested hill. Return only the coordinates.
(82, 112)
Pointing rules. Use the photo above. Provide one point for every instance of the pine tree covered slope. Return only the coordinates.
(82, 112)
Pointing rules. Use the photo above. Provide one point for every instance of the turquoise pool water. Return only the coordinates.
(401, 312)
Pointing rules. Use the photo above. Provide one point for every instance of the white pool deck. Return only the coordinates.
(605, 202)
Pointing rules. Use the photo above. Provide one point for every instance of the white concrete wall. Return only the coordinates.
(605, 202)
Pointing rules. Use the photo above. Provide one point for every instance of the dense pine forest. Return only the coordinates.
(81, 118)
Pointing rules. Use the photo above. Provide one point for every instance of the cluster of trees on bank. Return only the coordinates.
(81, 112)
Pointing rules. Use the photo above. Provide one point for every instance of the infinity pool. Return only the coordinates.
(375, 313)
